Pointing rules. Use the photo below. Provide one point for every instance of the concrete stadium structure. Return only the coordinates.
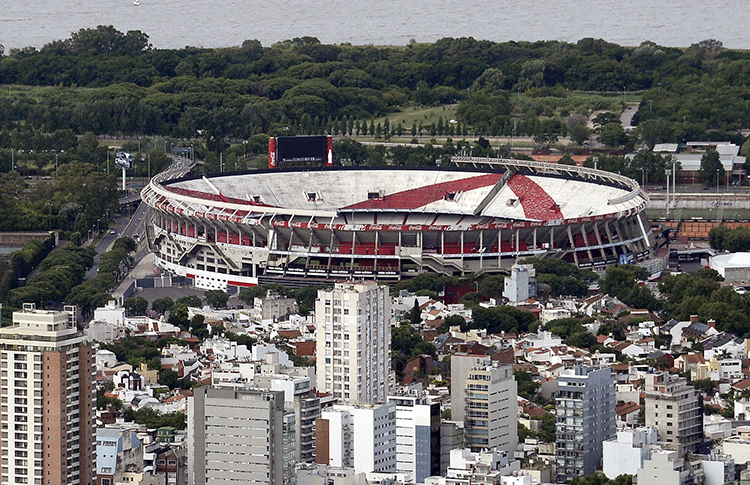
(232, 230)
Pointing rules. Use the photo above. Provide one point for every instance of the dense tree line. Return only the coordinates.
(561, 277)
(105, 81)
(77, 198)
(572, 331)
(61, 271)
(19, 264)
(626, 283)
(95, 292)
(700, 293)
(724, 238)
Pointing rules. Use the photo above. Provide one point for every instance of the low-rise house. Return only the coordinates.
(689, 362)
(724, 344)
(627, 413)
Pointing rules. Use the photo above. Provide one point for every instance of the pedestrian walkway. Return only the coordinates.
(143, 269)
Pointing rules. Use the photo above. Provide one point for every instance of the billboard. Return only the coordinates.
(300, 151)
(124, 160)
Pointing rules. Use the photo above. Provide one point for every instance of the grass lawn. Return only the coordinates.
(415, 114)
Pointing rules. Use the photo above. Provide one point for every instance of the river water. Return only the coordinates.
(221, 23)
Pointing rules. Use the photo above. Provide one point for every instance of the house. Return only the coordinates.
(689, 362)
(723, 344)
(684, 332)
(419, 366)
(690, 154)
(627, 413)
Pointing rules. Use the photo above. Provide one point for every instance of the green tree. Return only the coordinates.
(415, 314)
(451, 321)
(623, 282)
(491, 286)
(216, 298)
(135, 305)
(162, 305)
(547, 431)
(502, 318)
(527, 387)
(103, 401)
(405, 344)
(612, 134)
(580, 133)
(198, 327)
(168, 377)
(712, 170)
(306, 297)
(189, 300)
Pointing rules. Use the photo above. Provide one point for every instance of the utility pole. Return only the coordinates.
(668, 194)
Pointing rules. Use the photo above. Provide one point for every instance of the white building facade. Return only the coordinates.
(417, 435)
(626, 454)
(353, 351)
(362, 437)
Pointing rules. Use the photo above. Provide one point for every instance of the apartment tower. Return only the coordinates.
(240, 436)
(585, 405)
(491, 409)
(674, 408)
(353, 350)
(417, 435)
(47, 399)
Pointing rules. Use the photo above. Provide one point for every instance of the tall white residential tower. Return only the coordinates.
(353, 352)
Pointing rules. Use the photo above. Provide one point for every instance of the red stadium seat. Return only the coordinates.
(535, 201)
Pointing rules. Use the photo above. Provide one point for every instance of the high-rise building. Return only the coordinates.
(353, 351)
(48, 399)
(461, 364)
(243, 436)
(673, 407)
(362, 437)
(491, 416)
(585, 404)
(417, 435)
(298, 396)
(451, 438)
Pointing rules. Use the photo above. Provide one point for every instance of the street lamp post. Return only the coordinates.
(669, 172)
(717, 180)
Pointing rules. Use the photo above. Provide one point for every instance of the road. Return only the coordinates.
(626, 118)
(130, 226)
(103, 245)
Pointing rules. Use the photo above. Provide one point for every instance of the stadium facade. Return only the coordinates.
(481, 215)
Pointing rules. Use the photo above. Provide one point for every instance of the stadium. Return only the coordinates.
(234, 230)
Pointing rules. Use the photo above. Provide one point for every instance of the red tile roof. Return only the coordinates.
(627, 408)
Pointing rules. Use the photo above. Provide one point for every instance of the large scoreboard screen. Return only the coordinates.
(300, 151)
